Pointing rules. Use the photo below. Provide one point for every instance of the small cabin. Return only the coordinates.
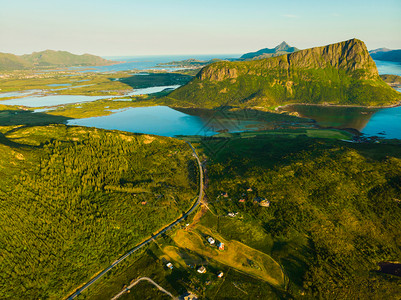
(169, 265)
(221, 246)
(201, 270)
(221, 274)
(211, 240)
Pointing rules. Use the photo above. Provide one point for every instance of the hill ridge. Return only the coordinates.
(49, 58)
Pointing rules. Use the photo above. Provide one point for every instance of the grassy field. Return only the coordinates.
(184, 277)
(236, 255)
(93, 84)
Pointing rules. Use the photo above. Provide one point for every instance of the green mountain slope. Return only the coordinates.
(49, 58)
(281, 49)
(341, 73)
(10, 61)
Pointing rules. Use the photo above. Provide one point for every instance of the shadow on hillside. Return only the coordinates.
(25, 119)
(22, 117)
(152, 80)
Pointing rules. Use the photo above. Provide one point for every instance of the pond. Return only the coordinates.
(384, 122)
(165, 121)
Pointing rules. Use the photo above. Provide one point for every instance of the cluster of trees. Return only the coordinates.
(335, 210)
(82, 200)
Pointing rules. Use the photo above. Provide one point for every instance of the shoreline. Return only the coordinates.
(339, 105)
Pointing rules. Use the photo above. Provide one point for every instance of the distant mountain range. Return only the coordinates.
(49, 58)
(343, 73)
(281, 49)
(386, 54)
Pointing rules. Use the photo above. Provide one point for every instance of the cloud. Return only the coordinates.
(290, 16)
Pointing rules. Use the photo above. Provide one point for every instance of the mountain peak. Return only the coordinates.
(282, 46)
(281, 49)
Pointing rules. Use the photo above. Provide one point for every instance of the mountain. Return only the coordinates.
(386, 54)
(64, 58)
(10, 61)
(341, 73)
(49, 58)
(379, 50)
(281, 49)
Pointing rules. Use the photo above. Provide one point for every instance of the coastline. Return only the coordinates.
(338, 105)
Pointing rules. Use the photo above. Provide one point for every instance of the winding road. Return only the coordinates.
(194, 206)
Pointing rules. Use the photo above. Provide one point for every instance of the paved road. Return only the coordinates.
(139, 280)
(194, 206)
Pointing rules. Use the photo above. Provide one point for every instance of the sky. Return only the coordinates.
(156, 27)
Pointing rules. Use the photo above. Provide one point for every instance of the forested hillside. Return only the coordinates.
(72, 200)
(334, 214)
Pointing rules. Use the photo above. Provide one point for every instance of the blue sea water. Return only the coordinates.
(149, 62)
(388, 67)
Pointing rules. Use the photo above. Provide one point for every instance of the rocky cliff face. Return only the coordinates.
(351, 56)
(342, 74)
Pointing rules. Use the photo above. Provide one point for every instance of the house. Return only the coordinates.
(241, 200)
(221, 274)
(170, 265)
(221, 246)
(264, 203)
(211, 240)
(224, 194)
(144, 202)
(202, 270)
(189, 296)
(249, 189)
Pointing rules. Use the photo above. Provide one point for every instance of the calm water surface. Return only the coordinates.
(165, 121)
(385, 122)
(388, 67)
